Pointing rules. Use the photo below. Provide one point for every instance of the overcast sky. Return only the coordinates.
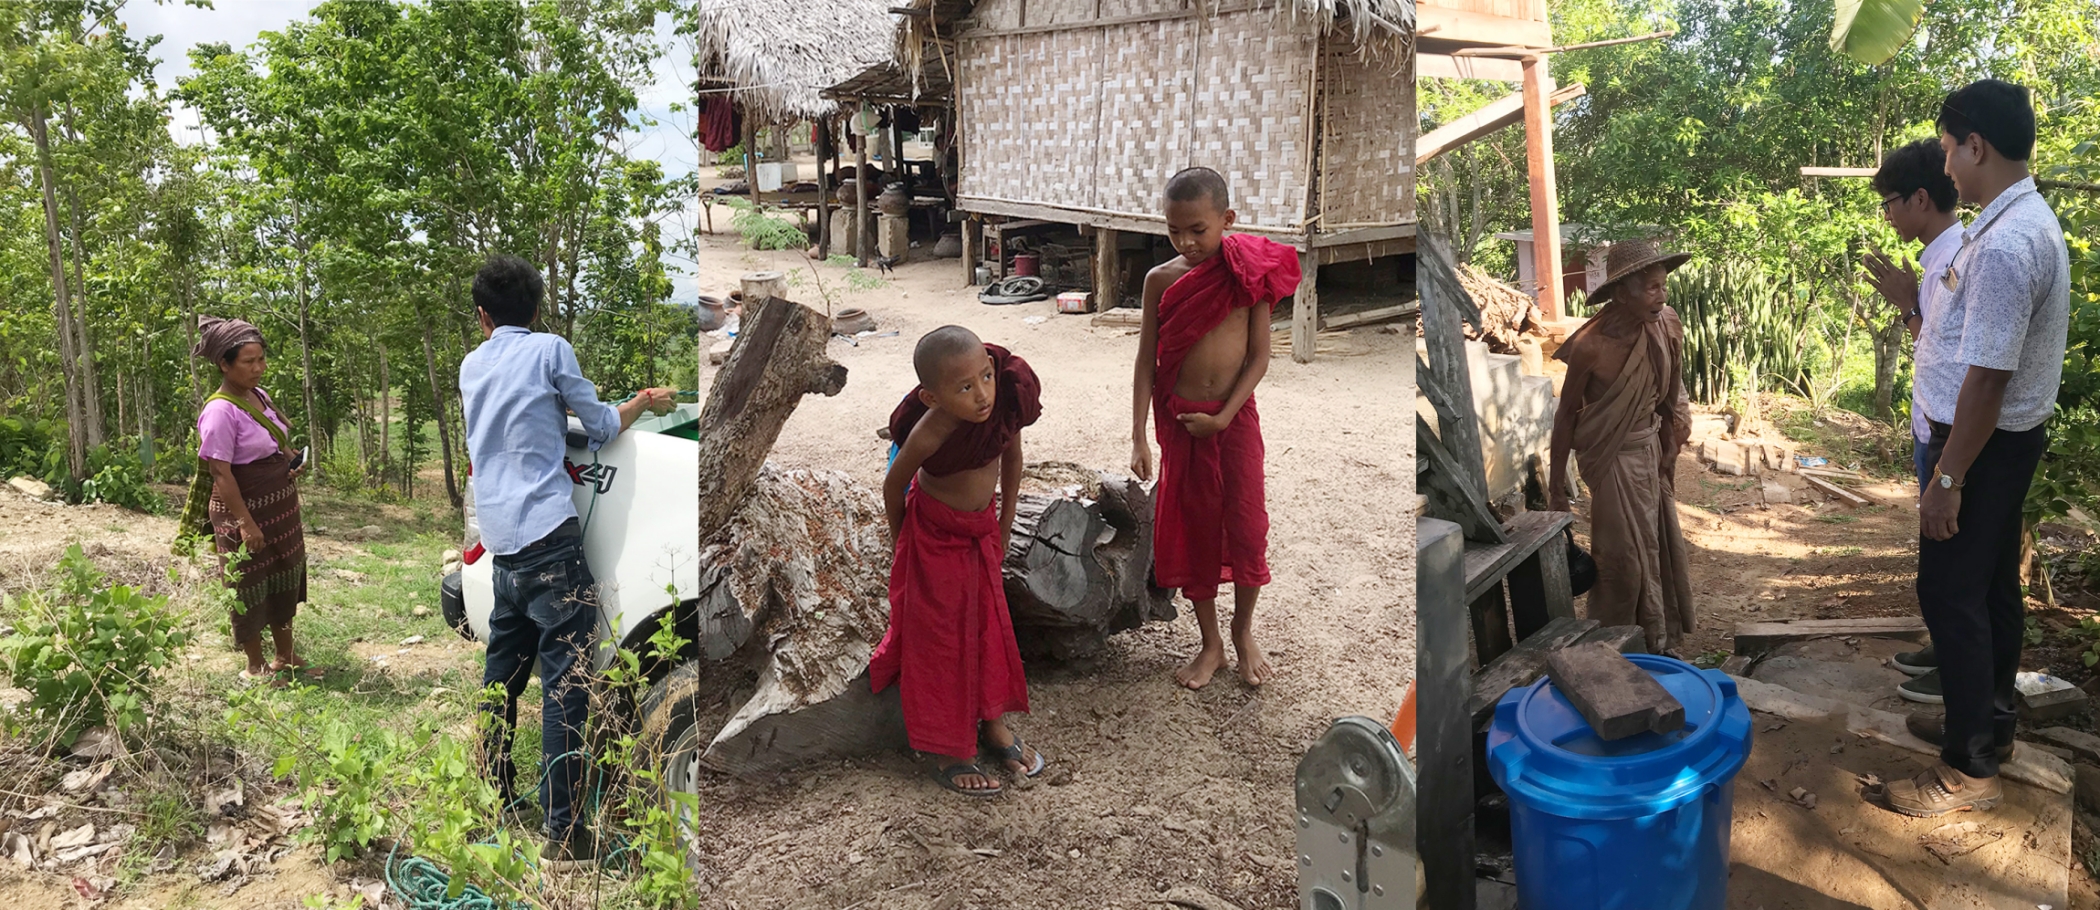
(239, 22)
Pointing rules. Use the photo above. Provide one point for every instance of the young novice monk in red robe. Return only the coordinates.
(950, 645)
(1203, 348)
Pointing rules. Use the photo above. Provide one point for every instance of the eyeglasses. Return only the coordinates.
(1891, 200)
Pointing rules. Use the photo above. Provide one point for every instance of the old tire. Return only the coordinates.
(670, 731)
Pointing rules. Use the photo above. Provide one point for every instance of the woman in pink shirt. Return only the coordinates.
(246, 446)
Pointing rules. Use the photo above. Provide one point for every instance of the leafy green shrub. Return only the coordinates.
(763, 230)
(86, 652)
(1740, 330)
(26, 445)
(116, 477)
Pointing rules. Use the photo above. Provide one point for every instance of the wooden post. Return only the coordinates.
(824, 140)
(1545, 200)
(751, 157)
(862, 243)
(1305, 309)
(1444, 743)
(973, 250)
(1108, 269)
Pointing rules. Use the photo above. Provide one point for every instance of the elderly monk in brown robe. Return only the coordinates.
(1624, 410)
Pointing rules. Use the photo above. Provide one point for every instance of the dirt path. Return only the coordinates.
(1152, 786)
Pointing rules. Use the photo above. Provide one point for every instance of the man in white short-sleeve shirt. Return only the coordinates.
(1990, 358)
(1917, 199)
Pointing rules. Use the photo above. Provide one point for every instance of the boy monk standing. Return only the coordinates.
(950, 645)
(1203, 348)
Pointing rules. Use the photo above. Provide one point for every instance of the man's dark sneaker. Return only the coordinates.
(524, 814)
(1933, 729)
(580, 851)
(1924, 690)
(1917, 663)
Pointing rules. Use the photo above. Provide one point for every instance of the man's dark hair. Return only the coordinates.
(1199, 183)
(509, 289)
(940, 346)
(1920, 165)
(1999, 110)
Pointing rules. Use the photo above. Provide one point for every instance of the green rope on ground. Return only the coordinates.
(421, 885)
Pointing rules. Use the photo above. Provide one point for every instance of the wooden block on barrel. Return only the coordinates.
(1617, 697)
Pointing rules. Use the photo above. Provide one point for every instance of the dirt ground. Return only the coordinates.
(1151, 786)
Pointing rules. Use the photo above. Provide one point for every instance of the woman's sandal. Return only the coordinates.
(266, 677)
(1018, 754)
(301, 668)
(950, 773)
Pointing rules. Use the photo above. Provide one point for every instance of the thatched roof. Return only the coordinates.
(1383, 29)
(777, 56)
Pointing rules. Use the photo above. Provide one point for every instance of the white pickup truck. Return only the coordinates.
(638, 500)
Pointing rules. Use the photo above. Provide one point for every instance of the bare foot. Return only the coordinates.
(1198, 672)
(1253, 665)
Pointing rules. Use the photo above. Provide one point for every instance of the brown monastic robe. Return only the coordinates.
(1643, 566)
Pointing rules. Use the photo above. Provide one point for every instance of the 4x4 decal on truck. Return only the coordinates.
(598, 475)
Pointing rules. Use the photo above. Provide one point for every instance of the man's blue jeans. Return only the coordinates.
(1918, 462)
(546, 608)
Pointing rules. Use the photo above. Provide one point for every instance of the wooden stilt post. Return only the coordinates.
(1545, 199)
(824, 141)
(862, 243)
(1108, 269)
(1305, 309)
(751, 157)
(973, 250)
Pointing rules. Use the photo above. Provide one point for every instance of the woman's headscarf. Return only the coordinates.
(216, 337)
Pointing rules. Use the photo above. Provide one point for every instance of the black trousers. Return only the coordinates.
(1969, 591)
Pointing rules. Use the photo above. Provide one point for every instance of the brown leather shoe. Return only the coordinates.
(1933, 729)
(1940, 790)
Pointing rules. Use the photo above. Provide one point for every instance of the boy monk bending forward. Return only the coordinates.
(950, 645)
(1203, 348)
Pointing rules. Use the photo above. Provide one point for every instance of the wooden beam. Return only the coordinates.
(1467, 27)
(1364, 235)
(824, 140)
(1498, 113)
(1521, 52)
(1122, 221)
(863, 245)
(1108, 270)
(1305, 309)
(1754, 638)
(1445, 66)
(1371, 317)
(1329, 254)
(1545, 198)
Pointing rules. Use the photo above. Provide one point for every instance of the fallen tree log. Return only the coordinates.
(795, 565)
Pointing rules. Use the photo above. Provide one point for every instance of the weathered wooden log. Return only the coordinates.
(778, 358)
(1078, 568)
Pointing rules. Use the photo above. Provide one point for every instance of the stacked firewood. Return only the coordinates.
(1505, 312)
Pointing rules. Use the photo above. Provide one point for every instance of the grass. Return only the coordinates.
(1838, 518)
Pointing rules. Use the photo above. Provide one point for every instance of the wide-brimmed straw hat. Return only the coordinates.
(1629, 258)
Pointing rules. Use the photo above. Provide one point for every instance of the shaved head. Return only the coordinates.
(1199, 183)
(940, 346)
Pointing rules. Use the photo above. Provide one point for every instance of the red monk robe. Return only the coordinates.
(1212, 521)
(950, 644)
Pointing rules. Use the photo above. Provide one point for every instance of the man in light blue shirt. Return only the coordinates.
(517, 389)
(1917, 199)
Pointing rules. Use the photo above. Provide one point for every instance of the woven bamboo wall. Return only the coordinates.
(1112, 9)
(1059, 12)
(1367, 163)
(1100, 117)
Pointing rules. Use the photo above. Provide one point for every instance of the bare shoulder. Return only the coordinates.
(1168, 272)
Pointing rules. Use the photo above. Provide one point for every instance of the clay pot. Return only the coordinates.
(894, 201)
(848, 194)
(710, 313)
(949, 246)
(852, 320)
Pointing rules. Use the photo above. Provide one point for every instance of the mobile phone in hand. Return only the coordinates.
(298, 458)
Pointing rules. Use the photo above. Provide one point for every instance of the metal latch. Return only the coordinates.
(1356, 821)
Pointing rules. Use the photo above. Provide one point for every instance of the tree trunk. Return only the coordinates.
(778, 358)
(1078, 568)
(62, 313)
(386, 412)
(1888, 346)
(306, 347)
(439, 408)
(90, 377)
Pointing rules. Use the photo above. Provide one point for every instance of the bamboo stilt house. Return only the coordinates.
(1077, 112)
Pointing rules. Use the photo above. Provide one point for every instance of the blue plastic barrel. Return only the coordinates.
(1639, 823)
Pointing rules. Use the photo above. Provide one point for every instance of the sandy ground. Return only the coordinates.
(1152, 786)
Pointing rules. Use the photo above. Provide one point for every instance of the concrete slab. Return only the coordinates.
(1834, 668)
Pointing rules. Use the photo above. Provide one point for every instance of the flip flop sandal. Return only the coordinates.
(950, 773)
(307, 670)
(265, 678)
(1017, 753)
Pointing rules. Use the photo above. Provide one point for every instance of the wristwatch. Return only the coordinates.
(1946, 482)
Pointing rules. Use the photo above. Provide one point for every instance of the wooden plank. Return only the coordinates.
(1457, 26)
(1614, 696)
(1444, 755)
(1836, 492)
(1522, 666)
(1370, 317)
(1372, 234)
(1539, 589)
(1490, 615)
(1446, 66)
(1545, 198)
(1446, 379)
(1498, 114)
(1330, 254)
(1486, 564)
(1755, 638)
(1627, 639)
(1305, 309)
(1123, 221)
(1444, 484)
(1127, 318)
